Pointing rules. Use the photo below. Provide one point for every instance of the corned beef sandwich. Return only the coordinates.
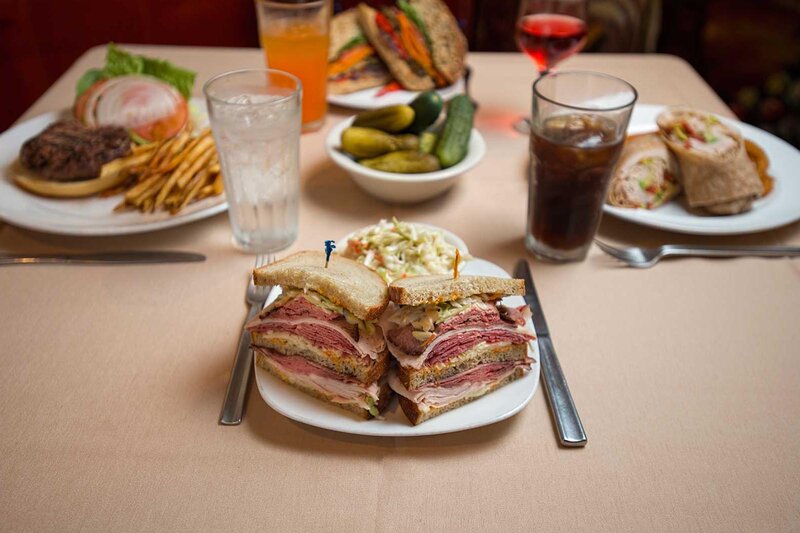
(321, 334)
(454, 341)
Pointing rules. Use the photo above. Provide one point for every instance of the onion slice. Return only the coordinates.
(151, 108)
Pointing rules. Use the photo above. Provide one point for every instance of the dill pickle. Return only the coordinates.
(427, 142)
(392, 118)
(369, 142)
(403, 162)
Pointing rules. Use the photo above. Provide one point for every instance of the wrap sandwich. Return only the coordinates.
(645, 175)
(716, 173)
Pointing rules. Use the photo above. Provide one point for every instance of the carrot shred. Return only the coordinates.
(390, 87)
(414, 44)
(350, 58)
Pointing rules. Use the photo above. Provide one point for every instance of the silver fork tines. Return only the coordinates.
(647, 257)
(233, 406)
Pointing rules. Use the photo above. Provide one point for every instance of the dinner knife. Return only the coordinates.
(104, 258)
(570, 428)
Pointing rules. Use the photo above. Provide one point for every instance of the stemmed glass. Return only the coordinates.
(549, 31)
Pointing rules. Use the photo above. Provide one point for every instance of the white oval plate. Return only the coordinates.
(367, 98)
(778, 208)
(92, 216)
(499, 405)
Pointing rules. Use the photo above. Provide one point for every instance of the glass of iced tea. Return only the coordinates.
(578, 127)
(295, 36)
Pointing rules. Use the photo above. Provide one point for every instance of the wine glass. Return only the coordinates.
(549, 31)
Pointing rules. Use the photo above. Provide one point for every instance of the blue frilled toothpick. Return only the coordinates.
(330, 246)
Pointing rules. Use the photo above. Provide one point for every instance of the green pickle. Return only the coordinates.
(427, 142)
(392, 119)
(403, 162)
(369, 142)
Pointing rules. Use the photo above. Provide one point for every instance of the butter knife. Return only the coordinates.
(570, 429)
(104, 258)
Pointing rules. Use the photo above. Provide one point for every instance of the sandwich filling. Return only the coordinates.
(404, 32)
(356, 59)
(704, 134)
(470, 384)
(308, 375)
(324, 324)
(434, 333)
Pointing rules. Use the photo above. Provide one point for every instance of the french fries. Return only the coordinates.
(171, 174)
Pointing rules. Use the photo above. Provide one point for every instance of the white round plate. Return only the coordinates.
(367, 98)
(90, 216)
(499, 405)
(778, 208)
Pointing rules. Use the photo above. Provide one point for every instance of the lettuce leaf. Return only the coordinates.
(121, 63)
(88, 79)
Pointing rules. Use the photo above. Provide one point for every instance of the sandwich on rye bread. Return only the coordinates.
(321, 334)
(453, 341)
(419, 40)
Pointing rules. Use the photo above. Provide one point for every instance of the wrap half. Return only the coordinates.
(716, 173)
(645, 175)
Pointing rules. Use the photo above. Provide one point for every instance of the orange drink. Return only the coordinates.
(295, 39)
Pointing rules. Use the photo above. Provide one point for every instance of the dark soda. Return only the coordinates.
(572, 157)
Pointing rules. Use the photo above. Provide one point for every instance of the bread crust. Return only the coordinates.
(345, 282)
(420, 290)
(384, 395)
(448, 43)
(399, 68)
(416, 416)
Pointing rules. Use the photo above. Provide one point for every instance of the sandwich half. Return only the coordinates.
(454, 341)
(321, 334)
(353, 64)
(419, 40)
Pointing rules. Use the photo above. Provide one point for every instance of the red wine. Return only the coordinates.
(549, 38)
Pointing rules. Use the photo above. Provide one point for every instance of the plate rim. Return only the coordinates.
(341, 100)
(632, 215)
(531, 380)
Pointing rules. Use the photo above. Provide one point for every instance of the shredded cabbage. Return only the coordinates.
(424, 318)
(396, 250)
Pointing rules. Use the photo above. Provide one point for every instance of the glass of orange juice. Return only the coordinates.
(294, 36)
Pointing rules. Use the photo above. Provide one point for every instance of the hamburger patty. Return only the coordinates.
(68, 151)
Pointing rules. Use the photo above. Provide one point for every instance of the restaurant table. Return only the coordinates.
(686, 375)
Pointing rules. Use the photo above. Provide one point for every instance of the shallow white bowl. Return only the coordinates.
(402, 188)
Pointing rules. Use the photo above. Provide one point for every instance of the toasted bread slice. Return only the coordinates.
(366, 73)
(344, 27)
(399, 68)
(366, 78)
(384, 395)
(362, 369)
(448, 43)
(414, 378)
(416, 416)
(420, 290)
(345, 282)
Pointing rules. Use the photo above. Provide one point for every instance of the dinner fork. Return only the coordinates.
(647, 257)
(233, 406)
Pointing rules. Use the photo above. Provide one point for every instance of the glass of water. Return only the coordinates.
(255, 119)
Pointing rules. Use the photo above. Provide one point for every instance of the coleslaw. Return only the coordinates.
(396, 250)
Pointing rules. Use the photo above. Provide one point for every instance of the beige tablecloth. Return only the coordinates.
(687, 376)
